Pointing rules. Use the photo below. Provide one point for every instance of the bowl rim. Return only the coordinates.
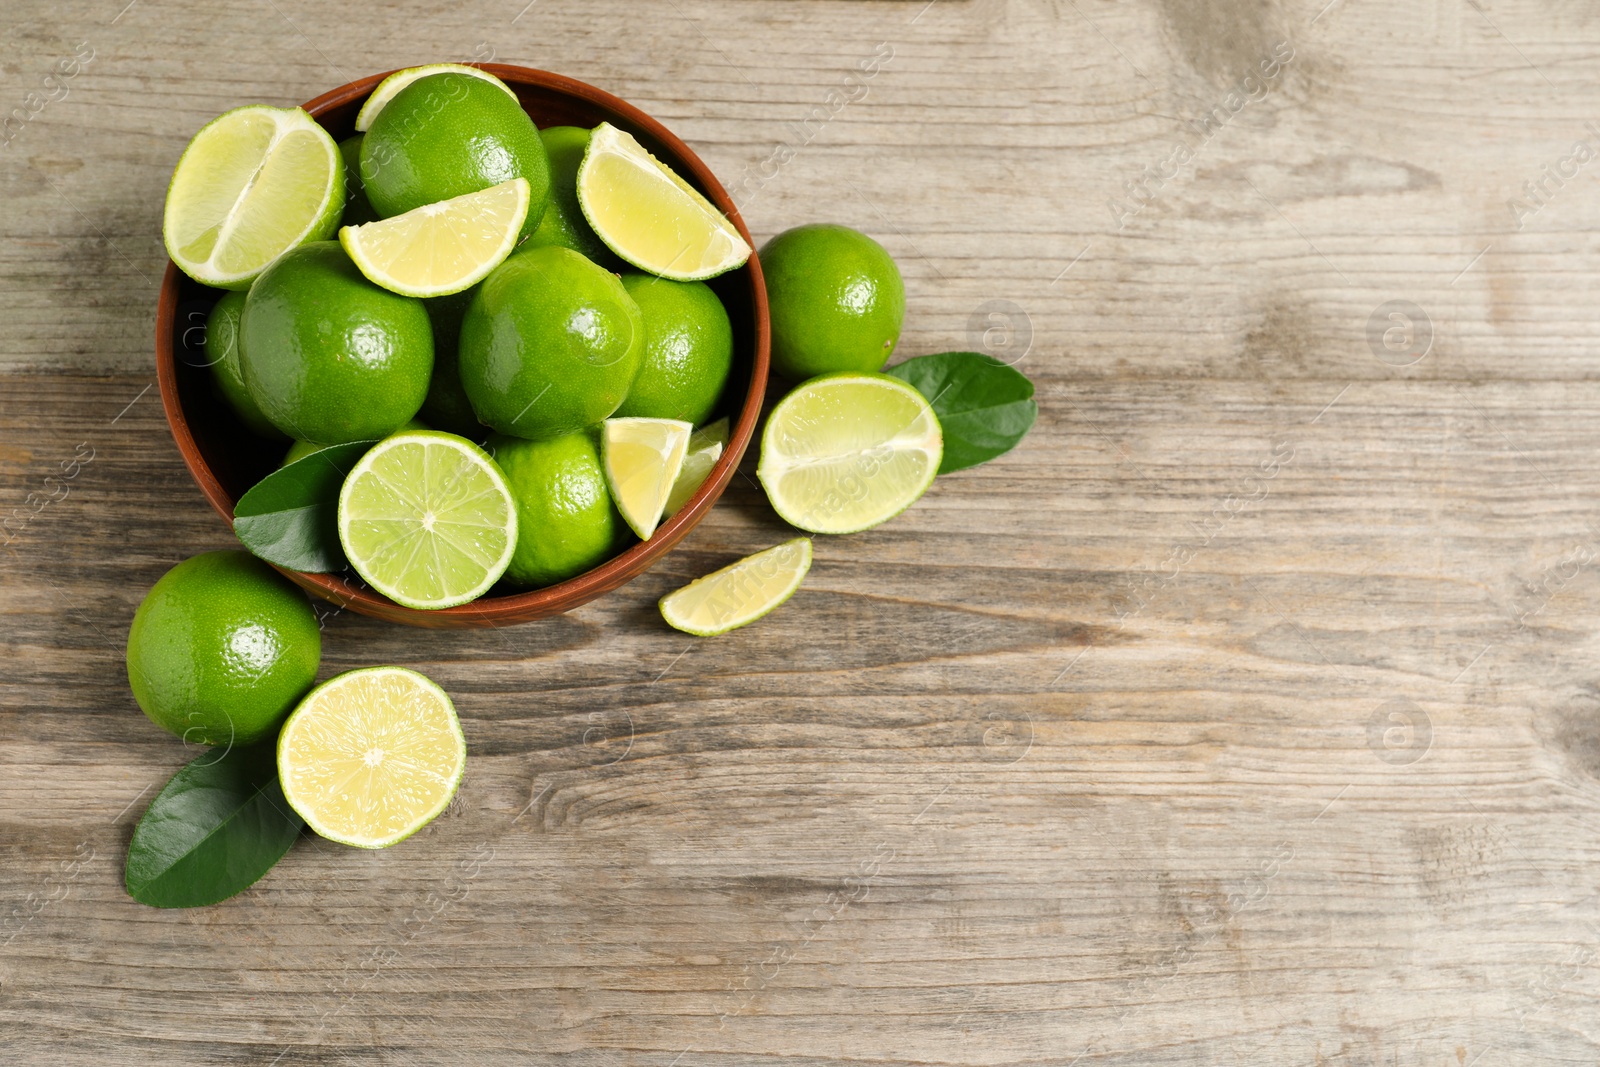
(614, 572)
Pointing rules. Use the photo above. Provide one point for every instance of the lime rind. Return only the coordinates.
(214, 198)
(388, 88)
(441, 232)
(740, 593)
(300, 720)
(678, 212)
(428, 529)
(641, 458)
(860, 470)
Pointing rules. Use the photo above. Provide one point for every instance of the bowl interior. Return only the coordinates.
(226, 459)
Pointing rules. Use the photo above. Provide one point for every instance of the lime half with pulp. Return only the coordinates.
(371, 756)
(845, 452)
(427, 519)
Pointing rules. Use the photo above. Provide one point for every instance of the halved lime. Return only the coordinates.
(845, 452)
(371, 756)
(391, 85)
(252, 184)
(427, 519)
(651, 217)
(739, 593)
(705, 448)
(642, 458)
(442, 248)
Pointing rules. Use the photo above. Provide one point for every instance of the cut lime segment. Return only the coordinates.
(642, 458)
(651, 217)
(845, 452)
(427, 519)
(705, 448)
(739, 593)
(371, 756)
(391, 85)
(254, 183)
(442, 248)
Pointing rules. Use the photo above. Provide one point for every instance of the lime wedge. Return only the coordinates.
(845, 452)
(371, 756)
(739, 593)
(651, 217)
(442, 248)
(391, 85)
(254, 183)
(705, 448)
(427, 519)
(642, 458)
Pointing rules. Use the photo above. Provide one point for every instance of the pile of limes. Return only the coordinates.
(530, 406)
(518, 320)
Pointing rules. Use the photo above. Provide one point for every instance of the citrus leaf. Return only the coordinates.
(212, 831)
(290, 517)
(984, 406)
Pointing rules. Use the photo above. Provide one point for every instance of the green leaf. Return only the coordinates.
(217, 826)
(291, 517)
(984, 406)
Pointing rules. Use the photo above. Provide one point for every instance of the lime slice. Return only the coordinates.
(739, 593)
(705, 448)
(442, 248)
(371, 756)
(254, 183)
(845, 452)
(642, 458)
(427, 519)
(401, 78)
(651, 217)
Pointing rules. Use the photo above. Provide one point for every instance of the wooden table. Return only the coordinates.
(1248, 713)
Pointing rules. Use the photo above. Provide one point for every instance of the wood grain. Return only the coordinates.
(1248, 713)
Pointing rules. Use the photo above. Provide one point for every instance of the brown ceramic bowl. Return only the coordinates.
(226, 460)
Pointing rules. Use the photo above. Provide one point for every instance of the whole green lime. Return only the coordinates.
(566, 522)
(447, 407)
(357, 209)
(550, 344)
(836, 300)
(447, 135)
(328, 356)
(221, 649)
(222, 353)
(688, 350)
(563, 222)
